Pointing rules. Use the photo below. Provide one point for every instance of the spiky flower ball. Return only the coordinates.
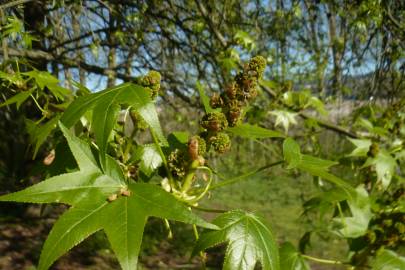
(220, 142)
(214, 121)
(216, 101)
(255, 67)
(233, 111)
(178, 163)
(152, 82)
(138, 122)
(240, 92)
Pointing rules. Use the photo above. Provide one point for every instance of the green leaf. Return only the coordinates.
(315, 166)
(291, 152)
(122, 216)
(249, 241)
(284, 118)
(314, 163)
(362, 147)
(254, 132)
(290, 258)
(75, 225)
(385, 167)
(70, 188)
(129, 94)
(123, 220)
(44, 79)
(318, 105)
(205, 100)
(18, 99)
(38, 133)
(150, 159)
(114, 170)
(357, 224)
(105, 115)
(244, 39)
(388, 260)
(322, 172)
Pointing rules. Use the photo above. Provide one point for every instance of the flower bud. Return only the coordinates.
(196, 147)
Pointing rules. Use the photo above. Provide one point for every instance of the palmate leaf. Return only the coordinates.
(39, 132)
(362, 147)
(249, 241)
(284, 118)
(18, 99)
(105, 108)
(290, 258)
(385, 166)
(388, 260)
(356, 225)
(87, 191)
(123, 220)
(313, 165)
(70, 188)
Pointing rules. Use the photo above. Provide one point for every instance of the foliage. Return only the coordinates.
(123, 175)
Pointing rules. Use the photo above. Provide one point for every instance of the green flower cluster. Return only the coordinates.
(178, 162)
(137, 120)
(242, 90)
(151, 81)
(220, 142)
(232, 102)
(214, 121)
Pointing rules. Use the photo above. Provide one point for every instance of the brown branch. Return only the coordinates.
(14, 3)
(213, 28)
(330, 126)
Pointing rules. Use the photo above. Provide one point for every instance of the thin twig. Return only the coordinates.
(14, 3)
(242, 177)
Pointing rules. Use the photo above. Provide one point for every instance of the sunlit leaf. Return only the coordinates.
(101, 200)
(254, 132)
(249, 241)
(284, 118)
(290, 258)
(385, 167)
(357, 224)
(388, 260)
(362, 147)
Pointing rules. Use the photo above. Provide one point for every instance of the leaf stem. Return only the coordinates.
(321, 260)
(188, 179)
(207, 187)
(162, 155)
(169, 229)
(37, 104)
(243, 176)
(208, 210)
